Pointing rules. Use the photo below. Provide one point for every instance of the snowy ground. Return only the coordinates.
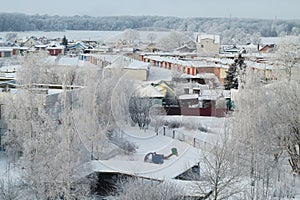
(148, 141)
(104, 36)
(135, 165)
(71, 35)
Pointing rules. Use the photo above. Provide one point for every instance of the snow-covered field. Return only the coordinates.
(105, 36)
(71, 35)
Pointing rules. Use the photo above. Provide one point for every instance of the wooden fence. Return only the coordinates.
(175, 134)
(214, 112)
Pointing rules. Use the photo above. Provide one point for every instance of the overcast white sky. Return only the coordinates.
(266, 9)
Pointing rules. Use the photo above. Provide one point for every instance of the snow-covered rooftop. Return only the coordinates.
(188, 96)
(69, 61)
(6, 49)
(149, 91)
(172, 167)
(210, 94)
(188, 156)
(216, 38)
(202, 75)
(41, 45)
(55, 47)
(188, 62)
(118, 61)
(135, 64)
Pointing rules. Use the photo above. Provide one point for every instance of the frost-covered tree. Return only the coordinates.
(250, 141)
(53, 139)
(9, 189)
(11, 37)
(40, 68)
(131, 35)
(139, 109)
(151, 37)
(136, 189)
(173, 40)
(288, 54)
(156, 115)
(49, 150)
(33, 65)
(266, 135)
(219, 175)
(104, 103)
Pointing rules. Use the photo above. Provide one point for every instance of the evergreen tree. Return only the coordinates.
(236, 70)
(65, 43)
(231, 80)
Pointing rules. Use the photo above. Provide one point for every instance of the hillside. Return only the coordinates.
(262, 27)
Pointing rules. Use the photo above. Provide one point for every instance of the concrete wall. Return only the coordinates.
(138, 74)
(207, 47)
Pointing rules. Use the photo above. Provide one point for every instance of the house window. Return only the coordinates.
(7, 54)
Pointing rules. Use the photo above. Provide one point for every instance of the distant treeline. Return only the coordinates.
(265, 28)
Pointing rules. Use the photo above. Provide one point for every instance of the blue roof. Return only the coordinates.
(80, 45)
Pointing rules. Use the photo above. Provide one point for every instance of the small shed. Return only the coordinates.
(150, 92)
(189, 100)
(55, 49)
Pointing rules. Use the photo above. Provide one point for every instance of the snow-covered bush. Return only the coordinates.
(115, 136)
(136, 189)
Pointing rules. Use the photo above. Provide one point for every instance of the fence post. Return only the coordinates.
(164, 130)
(173, 134)
(194, 142)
